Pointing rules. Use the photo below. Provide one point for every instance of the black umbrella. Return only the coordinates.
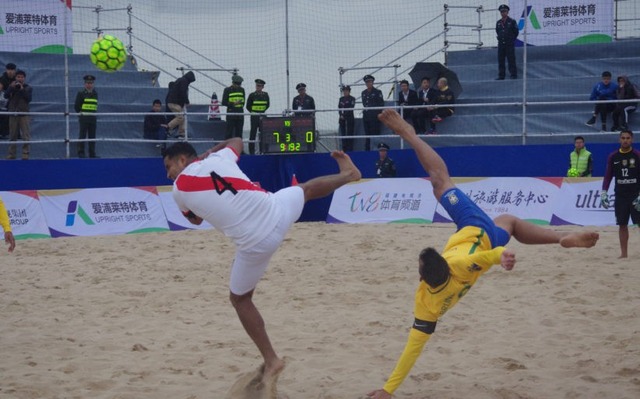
(435, 71)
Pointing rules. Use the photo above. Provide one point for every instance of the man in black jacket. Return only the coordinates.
(177, 100)
(507, 32)
(19, 95)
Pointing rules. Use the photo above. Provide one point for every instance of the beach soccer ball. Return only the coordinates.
(108, 53)
(573, 172)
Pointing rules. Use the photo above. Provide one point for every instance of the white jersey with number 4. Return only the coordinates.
(216, 190)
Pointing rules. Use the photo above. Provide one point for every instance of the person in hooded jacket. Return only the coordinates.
(625, 91)
(177, 101)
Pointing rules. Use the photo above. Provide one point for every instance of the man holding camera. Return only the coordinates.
(19, 95)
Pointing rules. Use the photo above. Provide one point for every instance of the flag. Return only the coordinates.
(214, 108)
(294, 181)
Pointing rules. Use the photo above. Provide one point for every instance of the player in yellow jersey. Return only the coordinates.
(6, 227)
(476, 246)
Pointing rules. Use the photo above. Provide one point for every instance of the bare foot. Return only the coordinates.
(395, 122)
(586, 239)
(271, 373)
(346, 166)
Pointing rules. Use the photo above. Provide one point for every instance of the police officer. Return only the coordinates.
(385, 167)
(371, 97)
(87, 104)
(507, 32)
(303, 101)
(257, 102)
(233, 99)
(346, 120)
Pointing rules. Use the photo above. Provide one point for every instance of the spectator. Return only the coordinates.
(625, 91)
(507, 32)
(258, 102)
(385, 167)
(426, 96)
(346, 120)
(87, 103)
(624, 165)
(155, 123)
(407, 98)
(19, 95)
(580, 160)
(233, 98)
(444, 96)
(303, 102)
(371, 97)
(6, 227)
(604, 90)
(178, 100)
(4, 119)
(9, 75)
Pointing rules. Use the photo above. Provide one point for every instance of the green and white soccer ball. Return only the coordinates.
(573, 172)
(108, 53)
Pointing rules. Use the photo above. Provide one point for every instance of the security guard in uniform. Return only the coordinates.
(233, 99)
(507, 32)
(303, 101)
(257, 102)
(371, 97)
(385, 167)
(87, 104)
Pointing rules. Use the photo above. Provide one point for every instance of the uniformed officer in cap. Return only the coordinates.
(346, 121)
(233, 99)
(507, 32)
(371, 97)
(303, 101)
(385, 167)
(257, 103)
(87, 104)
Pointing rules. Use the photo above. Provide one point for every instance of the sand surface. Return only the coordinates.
(147, 316)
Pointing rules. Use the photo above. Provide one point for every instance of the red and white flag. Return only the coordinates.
(214, 108)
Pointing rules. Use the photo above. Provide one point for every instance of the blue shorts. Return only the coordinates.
(465, 212)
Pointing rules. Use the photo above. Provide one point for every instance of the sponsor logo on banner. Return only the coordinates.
(25, 215)
(36, 26)
(103, 211)
(176, 219)
(531, 199)
(552, 22)
(580, 204)
(407, 200)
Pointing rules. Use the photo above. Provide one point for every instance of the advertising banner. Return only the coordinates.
(25, 215)
(35, 26)
(406, 200)
(175, 218)
(551, 22)
(579, 204)
(528, 198)
(103, 211)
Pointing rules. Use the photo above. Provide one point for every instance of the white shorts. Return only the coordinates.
(250, 265)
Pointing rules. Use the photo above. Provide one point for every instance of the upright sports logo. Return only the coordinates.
(72, 209)
(531, 15)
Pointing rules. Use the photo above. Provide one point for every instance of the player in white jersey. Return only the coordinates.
(212, 187)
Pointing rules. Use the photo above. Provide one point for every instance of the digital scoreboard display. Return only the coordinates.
(285, 135)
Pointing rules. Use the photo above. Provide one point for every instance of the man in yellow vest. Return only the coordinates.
(580, 160)
(87, 104)
(257, 103)
(233, 99)
(6, 226)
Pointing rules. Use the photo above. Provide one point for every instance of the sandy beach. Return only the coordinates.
(147, 316)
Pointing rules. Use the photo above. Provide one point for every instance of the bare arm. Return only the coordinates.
(235, 143)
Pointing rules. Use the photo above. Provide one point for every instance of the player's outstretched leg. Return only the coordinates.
(529, 233)
(324, 185)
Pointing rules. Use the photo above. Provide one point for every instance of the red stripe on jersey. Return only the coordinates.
(188, 183)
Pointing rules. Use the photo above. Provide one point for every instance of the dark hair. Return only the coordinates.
(627, 131)
(157, 101)
(606, 74)
(21, 72)
(434, 269)
(426, 78)
(404, 81)
(180, 148)
(578, 138)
